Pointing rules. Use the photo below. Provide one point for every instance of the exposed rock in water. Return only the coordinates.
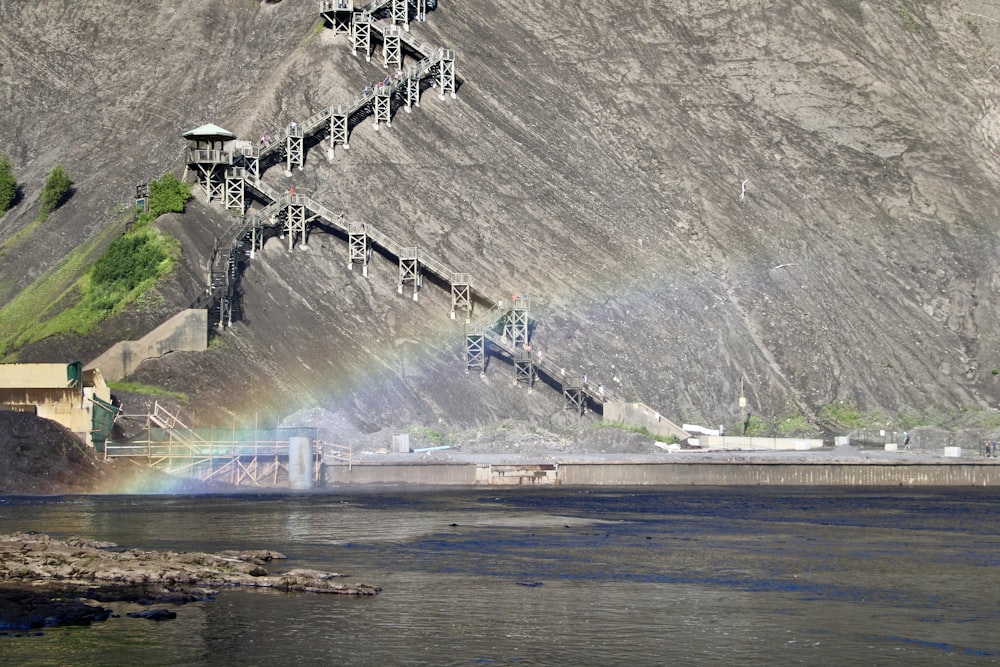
(62, 574)
(22, 609)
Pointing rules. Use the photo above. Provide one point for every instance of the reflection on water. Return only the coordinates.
(559, 576)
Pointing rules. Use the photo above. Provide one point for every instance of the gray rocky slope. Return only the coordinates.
(596, 160)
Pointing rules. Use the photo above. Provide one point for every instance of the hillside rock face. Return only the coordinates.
(795, 198)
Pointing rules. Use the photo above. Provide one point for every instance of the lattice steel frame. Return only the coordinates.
(361, 34)
(412, 92)
(295, 222)
(212, 180)
(340, 18)
(249, 159)
(409, 269)
(235, 191)
(475, 350)
(446, 73)
(515, 325)
(357, 245)
(295, 154)
(576, 400)
(401, 13)
(524, 369)
(461, 294)
(338, 130)
(381, 106)
(392, 48)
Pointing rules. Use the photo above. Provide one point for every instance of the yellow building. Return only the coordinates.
(78, 399)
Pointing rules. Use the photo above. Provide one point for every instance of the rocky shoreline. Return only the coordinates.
(47, 582)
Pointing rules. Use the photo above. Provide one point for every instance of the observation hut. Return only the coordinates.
(208, 158)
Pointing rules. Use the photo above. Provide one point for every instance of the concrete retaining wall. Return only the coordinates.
(444, 474)
(782, 474)
(187, 331)
(753, 443)
(640, 415)
(695, 473)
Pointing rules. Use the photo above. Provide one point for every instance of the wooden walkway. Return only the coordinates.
(234, 176)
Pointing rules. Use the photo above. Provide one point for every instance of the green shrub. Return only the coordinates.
(56, 189)
(756, 426)
(167, 195)
(792, 426)
(130, 260)
(428, 434)
(8, 184)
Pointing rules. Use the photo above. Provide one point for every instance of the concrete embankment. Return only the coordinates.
(674, 473)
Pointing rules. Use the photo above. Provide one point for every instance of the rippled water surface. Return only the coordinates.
(558, 576)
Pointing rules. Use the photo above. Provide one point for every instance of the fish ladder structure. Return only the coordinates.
(232, 175)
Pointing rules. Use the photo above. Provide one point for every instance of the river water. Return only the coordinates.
(690, 576)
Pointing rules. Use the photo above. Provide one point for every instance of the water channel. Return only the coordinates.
(561, 576)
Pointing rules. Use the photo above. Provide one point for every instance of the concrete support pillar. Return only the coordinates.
(300, 463)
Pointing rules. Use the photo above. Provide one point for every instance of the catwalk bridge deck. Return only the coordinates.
(233, 176)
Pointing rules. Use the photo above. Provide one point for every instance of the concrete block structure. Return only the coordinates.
(78, 399)
(187, 331)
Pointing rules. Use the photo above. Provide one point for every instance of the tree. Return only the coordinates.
(57, 187)
(8, 184)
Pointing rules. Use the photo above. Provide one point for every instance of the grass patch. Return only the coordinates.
(77, 297)
(23, 313)
(843, 414)
(641, 430)
(427, 433)
(147, 390)
(909, 21)
(19, 236)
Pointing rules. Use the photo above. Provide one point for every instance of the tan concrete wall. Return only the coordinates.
(33, 376)
(45, 387)
(187, 331)
(685, 474)
(752, 443)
